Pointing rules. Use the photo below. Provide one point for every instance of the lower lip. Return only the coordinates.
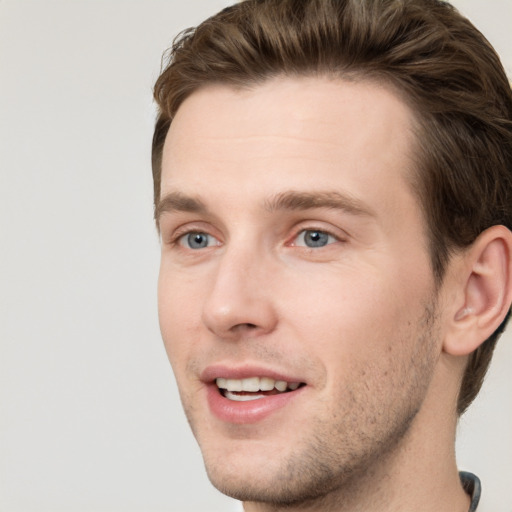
(252, 411)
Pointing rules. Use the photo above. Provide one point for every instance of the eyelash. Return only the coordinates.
(330, 237)
(179, 239)
(181, 232)
(196, 233)
(179, 236)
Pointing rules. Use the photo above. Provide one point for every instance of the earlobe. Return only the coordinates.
(486, 293)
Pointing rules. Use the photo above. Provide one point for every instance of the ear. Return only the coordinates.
(484, 291)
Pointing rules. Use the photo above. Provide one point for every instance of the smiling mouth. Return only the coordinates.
(254, 388)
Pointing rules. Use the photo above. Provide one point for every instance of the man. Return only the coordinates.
(333, 190)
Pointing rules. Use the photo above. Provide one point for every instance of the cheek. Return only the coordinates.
(351, 315)
(336, 299)
(178, 313)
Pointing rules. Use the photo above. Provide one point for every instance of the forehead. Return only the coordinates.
(296, 132)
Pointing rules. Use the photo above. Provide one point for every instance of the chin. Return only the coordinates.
(312, 467)
(268, 475)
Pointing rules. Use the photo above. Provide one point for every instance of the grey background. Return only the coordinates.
(89, 415)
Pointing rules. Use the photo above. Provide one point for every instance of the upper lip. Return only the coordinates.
(210, 373)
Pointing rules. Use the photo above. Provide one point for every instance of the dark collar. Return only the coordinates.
(471, 484)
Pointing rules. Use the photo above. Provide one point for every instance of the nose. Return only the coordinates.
(240, 302)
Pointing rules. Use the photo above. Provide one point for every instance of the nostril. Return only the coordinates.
(244, 327)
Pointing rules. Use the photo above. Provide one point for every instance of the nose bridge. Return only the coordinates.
(239, 300)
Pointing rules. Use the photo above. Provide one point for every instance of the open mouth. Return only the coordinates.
(254, 388)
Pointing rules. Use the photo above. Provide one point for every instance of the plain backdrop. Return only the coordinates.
(90, 419)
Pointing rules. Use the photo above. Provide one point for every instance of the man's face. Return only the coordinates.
(295, 267)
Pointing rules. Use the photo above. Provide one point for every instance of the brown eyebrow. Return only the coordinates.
(178, 202)
(292, 200)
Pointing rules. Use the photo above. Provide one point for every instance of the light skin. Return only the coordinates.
(293, 247)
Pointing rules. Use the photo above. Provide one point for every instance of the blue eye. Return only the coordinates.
(314, 238)
(197, 240)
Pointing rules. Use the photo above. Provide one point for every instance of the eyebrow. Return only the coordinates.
(178, 202)
(293, 200)
(290, 200)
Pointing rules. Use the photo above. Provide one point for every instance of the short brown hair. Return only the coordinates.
(439, 62)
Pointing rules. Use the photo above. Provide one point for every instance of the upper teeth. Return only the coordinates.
(255, 384)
